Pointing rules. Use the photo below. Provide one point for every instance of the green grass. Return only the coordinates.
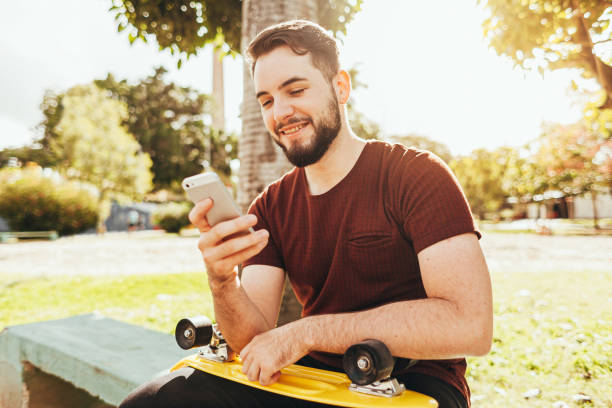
(553, 330)
(576, 227)
(154, 301)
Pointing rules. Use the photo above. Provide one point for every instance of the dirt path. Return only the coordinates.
(531, 252)
(113, 254)
(148, 252)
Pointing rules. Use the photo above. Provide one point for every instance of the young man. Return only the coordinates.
(377, 240)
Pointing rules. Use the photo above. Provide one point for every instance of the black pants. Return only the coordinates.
(191, 388)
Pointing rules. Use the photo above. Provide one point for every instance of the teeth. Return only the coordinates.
(293, 129)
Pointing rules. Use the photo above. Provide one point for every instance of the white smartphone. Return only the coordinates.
(209, 185)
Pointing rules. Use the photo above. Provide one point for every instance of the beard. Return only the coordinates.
(325, 131)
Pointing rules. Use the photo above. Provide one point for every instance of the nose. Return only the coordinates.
(282, 110)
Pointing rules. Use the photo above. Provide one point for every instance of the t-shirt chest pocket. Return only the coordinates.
(371, 254)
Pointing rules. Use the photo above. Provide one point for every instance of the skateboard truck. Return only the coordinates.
(218, 349)
(368, 365)
(201, 332)
(389, 387)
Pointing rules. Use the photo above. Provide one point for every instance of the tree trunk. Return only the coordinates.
(218, 114)
(104, 206)
(261, 161)
(600, 70)
(595, 215)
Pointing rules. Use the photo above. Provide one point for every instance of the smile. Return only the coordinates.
(293, 129)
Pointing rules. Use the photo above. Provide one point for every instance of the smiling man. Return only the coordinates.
(377, 240)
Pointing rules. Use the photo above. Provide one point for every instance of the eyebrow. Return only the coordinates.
(281, 86)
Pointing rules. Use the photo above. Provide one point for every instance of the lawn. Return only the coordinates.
(154, 301)
(558, 226)
(552, 342)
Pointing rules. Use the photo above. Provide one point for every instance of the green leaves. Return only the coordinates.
(553, 34)
(32, 202)
(425, 143)
(336, 14)
(167, 121)
(180, 25)
(184, 26)
(481, 176)
(172, 216)
(94, 146)
(576, 158)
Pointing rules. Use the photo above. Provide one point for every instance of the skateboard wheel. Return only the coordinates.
(193, 332)
(367, 362)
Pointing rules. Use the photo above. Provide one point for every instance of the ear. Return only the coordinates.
(342, 82)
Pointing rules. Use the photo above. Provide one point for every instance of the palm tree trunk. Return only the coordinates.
(218, 114)
(261, 161)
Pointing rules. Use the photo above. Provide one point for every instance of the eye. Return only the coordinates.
(296, 92)
(266, 102)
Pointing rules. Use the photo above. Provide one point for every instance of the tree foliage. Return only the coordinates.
(184, 26)
(167, 120)
(569, 158)
(361, 125)
(93, 145)
(524, 176)
(425, 143)
(481, 175)
(577, 160)
(172, 216)
(169, 123)
(32, 202)
(552, 34)
(52, 109)
(27, 154)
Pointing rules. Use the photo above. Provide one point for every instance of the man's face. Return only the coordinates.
(299, 106)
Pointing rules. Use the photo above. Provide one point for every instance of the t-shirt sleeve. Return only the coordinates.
(430, 200)
(271, 254)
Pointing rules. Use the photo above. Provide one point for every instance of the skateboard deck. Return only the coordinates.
(312, 384)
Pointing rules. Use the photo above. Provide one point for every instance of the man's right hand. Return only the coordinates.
(222, 254)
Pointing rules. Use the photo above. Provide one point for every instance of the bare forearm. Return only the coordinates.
(455, 320)
(237, 316)
(429, 328)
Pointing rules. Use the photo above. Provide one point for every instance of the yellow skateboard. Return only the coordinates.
(368, 365)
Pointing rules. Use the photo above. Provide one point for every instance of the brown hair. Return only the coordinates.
(302, 37)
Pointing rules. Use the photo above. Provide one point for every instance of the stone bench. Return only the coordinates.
(81, 361)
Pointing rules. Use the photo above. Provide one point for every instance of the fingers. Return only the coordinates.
(234, 251)
(274, 378)
(227, 228)
(251, 371)
(242, 256)
(259, 371)
(259, 365)
(197, 215)
(268, 377)
(223, 246)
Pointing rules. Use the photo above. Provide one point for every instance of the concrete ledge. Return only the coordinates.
(105, 357)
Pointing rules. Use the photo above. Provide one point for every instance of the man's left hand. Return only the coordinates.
(268, 352)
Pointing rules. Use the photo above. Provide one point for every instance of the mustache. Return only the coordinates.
(290, 121)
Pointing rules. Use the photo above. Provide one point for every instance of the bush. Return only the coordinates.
(172, 216)
(31, 202)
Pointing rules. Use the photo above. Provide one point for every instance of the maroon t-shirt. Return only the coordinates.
(355, 246)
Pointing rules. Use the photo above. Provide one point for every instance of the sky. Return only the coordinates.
(427, 68)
